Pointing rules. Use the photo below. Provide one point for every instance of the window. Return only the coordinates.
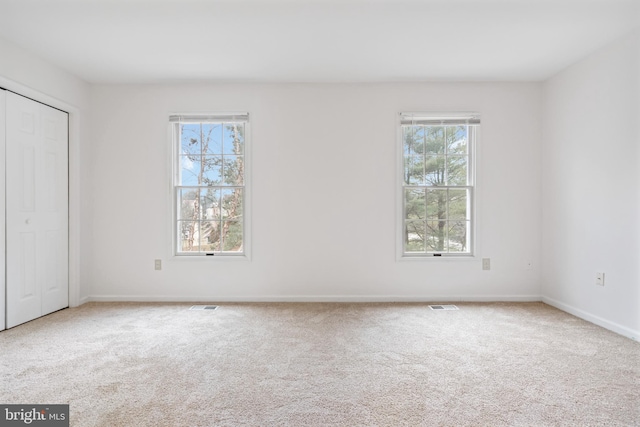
(209, 184)
(437, 183)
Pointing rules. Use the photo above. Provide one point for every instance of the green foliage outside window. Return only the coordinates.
(437, 184)
(211, 187)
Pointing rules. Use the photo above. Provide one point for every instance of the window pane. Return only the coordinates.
(457, 140)
(414, 170)
(435, 170)
(189, 206)
(189, 170)
(436, 204)
(434, 139)
(233, 138)
(211, 138)
(415, 204)
(209, 187)
(210, 202)
(232, 203)
(239, 143)
(190, 139)
(212, 171)
(188, 232)
(209, 236)
(408, 144)
(458, 232)
(413, 137)
(437, 236)
(456, 170)
(458, 204)
(414, 236)
(436, 189)
(232, 236)
(234, 170)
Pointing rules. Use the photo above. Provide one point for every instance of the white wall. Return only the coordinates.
(31, 76)
(33, 73)
(324, 192)
(591, 187)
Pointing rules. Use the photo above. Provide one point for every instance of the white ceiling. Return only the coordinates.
(145, 41)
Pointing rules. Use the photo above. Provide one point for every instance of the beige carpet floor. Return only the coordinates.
(494, 364)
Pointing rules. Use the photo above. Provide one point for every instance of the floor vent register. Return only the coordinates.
(443, 307)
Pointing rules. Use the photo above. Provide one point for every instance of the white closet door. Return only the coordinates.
(3, 288)
(36, 210)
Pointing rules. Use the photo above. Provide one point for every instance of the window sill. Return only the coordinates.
(206, 258)
(431, 258)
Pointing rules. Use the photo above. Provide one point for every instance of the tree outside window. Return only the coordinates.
(210, 187)
(437, 186)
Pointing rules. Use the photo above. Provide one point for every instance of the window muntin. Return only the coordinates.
(209, 184)
(437, 184)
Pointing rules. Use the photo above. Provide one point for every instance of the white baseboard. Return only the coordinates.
(612, 326)
(315, 298)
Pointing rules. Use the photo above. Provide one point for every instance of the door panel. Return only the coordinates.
(28, 182)
(36, 209)
(54, 209)
(51, 182)
(52, 275)
(27, 273)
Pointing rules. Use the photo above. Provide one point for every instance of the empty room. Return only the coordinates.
(320, 213)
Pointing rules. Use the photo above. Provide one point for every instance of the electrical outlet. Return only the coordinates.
(600, 279)
(158, 264)
(486, 263)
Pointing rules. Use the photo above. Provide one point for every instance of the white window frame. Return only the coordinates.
(438, 118)
(175, 119)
